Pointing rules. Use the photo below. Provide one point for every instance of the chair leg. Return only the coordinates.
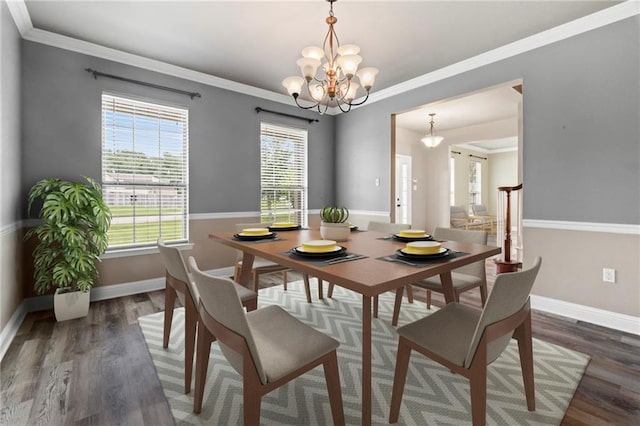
(525, 348)
(191, 321)
(320, 289)
(399, 378)
(483, 293)
(409, 290)
(429, 299)
(284, 279)
(330, 291)
(169, 303)
(307, 287)
(205, 337)
(332, 376)
(396, 306)
(251, 401)
(478, 384)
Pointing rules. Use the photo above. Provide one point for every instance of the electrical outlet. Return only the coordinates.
(608, 275)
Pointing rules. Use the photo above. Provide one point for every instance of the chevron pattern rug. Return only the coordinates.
(433, 395)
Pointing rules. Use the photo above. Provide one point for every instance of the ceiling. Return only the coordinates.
(258, 42)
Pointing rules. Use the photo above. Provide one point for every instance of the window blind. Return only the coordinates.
(283, 174)
(145, 171)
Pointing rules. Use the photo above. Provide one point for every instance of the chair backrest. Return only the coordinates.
(220, 299)
(477, 269)
(509, 294)
(458, 212)
(392, 228)
(479, 210)
(175, 266)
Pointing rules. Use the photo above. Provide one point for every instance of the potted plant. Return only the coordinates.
(334, 224)
(71, 238)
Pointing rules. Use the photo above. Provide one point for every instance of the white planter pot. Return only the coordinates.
(335, 231)
(70, 305)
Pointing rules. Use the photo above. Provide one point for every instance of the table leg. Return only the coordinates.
(447, 287)
(366, 360)
(245, 272)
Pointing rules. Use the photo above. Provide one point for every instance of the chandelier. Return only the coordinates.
(328, 73)
(429, 140)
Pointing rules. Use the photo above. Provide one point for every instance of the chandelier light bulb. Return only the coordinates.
(313, 52)
(349, 64)
(348, 49)
(308, 67)
(293, 85)
(367, 77)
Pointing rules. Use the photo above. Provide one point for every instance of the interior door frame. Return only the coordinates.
(392, 181)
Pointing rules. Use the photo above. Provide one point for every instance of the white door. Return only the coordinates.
(403, 189)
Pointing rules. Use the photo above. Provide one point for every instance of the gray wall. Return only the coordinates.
(10, 126)
(10, 199)
(581, 128)
(61, 129)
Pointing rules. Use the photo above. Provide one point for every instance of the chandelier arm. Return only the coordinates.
(343, 103)
(360, 103)
(295, 98)
(326, 106)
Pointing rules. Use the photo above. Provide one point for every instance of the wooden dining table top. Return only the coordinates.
(369, 276)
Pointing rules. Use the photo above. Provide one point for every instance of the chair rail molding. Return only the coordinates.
(612, 228)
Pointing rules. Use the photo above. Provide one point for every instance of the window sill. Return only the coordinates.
(140, 251)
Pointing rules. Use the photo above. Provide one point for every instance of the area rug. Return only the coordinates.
(433, 394)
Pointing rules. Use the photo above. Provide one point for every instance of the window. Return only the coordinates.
(145, 171)
(475, 182)
(283, 174)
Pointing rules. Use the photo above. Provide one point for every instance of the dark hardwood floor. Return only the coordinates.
(97, 370)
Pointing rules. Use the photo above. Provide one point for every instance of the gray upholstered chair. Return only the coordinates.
(465, 278)
(267, 347)
(481, 214)
(465, 340)
(178, 280)
(460, 219)
(260, 266)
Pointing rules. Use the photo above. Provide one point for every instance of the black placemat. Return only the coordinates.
(420, 263)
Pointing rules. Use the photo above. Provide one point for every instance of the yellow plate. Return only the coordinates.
(283, 225)
(412, 233)
(423, 247)
(319, 246)
(254, 231)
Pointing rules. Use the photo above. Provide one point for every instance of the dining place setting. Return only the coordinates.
(420, 248)
(324, 252)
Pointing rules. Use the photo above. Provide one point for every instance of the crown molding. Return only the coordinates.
(599, 19)
(68, 43)
(20, 15)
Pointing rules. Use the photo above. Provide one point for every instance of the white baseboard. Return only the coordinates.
(616, 321)
(11, 329)
(41, 303)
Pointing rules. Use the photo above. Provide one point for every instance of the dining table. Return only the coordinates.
(372, 269)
